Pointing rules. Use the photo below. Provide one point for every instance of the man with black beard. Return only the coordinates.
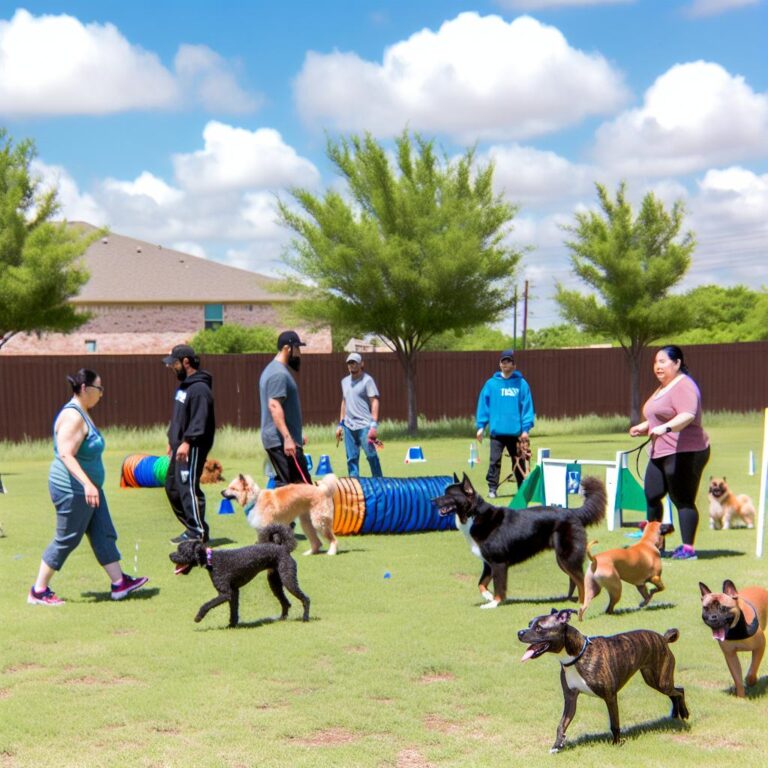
(281, 427)
(190, 437)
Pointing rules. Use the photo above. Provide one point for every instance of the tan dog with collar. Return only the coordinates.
(737, 620)
(639, 564)
(725, 506)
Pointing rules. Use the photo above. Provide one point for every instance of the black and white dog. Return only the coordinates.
(504, 537)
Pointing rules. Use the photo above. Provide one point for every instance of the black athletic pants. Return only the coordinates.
(182, 487)
(498, 444)
(677, 475)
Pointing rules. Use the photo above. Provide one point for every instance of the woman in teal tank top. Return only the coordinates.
(75, 483)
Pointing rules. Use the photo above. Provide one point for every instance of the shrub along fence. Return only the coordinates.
(565, 382)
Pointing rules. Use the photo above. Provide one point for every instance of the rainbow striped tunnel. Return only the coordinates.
(389, 505)
(142, 471)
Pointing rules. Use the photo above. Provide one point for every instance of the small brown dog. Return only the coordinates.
(737, 620)
(211, 473)
(724, 506)
(639, 564)
(312, 504)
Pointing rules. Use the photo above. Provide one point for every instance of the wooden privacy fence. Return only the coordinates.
(565, 382)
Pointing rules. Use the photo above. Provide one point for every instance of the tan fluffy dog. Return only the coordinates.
(737, 619)
(639, 564)
(312, 504)
(724, 506)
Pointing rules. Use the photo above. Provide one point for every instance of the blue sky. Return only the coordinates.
(180, 121)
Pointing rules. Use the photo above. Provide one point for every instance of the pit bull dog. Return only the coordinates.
(737, 620)
(600, 666)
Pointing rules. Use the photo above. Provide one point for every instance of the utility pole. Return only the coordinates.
(525, 312)
(514, 321)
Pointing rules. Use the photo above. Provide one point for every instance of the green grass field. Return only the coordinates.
(404, 671)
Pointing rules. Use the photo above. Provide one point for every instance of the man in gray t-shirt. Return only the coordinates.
(281, 428)
(358, 420)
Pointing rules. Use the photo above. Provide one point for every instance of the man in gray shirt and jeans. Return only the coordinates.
(281, 427)
(359, 417)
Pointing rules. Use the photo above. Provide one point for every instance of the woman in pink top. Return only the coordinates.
(679, 447)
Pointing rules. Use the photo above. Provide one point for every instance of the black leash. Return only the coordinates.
(638, 449)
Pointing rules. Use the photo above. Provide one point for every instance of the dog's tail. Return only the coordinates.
(671, 635)
(595, 499)
(589, 553)
(275, 533)
(328, 484)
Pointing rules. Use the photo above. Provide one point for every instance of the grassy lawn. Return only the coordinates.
(403, 671)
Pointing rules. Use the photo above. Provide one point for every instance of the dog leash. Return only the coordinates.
(638, 449)
(301, 471)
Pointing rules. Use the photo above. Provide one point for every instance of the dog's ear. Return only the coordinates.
(241, 478)
(729, 588)
(704, 589)
(564, 616)
(455, 478)
(469, 489)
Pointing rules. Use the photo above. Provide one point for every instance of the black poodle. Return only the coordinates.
(231, 569)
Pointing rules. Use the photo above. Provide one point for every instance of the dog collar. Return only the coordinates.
(742, 630)
(248, 507)
(570, 663)
(208, 553)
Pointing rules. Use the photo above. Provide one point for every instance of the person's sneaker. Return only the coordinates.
(46, 597)
(491, 494)
(127, 585)
(684, 552)
(181, 537)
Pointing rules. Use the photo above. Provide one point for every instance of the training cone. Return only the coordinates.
(308, 457)
(324, 466)
(226, 508)
(414, 455)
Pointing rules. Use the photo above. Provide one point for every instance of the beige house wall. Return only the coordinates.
(148, 329)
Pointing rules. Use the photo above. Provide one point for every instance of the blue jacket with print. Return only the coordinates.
(505, 405)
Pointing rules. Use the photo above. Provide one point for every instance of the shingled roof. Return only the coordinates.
(125, 270)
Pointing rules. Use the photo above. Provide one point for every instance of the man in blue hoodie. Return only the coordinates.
(505, 406)
(190, 437)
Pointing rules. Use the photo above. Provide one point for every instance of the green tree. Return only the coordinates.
(40, 260)
(562, 336)
(414, 247)
(631, 262)
(481, 337)
(231, 338)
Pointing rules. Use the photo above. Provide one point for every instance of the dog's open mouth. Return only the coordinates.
(534, 651)
(718, 633)
(182, 568)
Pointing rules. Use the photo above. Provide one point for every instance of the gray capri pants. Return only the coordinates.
(74, 518)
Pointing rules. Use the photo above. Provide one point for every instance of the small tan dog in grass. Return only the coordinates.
(312, 504)
(737, 619)
(725, 506)
(639, 564)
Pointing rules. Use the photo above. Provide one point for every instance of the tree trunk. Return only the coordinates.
(406, 360)
(635, 416)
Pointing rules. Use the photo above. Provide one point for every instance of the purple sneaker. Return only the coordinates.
(127, 585)
(684, 552)
(46, 597)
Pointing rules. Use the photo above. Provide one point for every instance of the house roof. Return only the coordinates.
(126, 270)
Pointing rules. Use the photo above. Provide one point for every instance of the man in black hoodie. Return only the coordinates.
(190, 437)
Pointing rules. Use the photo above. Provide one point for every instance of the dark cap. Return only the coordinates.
(507, 354)
(289, 338)
(179, 352)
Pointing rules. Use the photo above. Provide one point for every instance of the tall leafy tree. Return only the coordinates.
(40, 260)
(631, 262)
(415, 246)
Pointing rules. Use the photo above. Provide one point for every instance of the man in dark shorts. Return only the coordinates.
(281, 427)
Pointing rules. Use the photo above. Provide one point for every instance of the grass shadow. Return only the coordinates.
(711, 554)
(661, 725)
(534, 600)
(651, 607)
(220, 541)
(145, 593)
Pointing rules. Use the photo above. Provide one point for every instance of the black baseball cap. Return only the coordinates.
(507, 354)
(289, 338)
(179, 352)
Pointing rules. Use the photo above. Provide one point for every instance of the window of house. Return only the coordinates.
(214, 316)
(90, 345)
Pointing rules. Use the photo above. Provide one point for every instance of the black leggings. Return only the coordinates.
(677, 475)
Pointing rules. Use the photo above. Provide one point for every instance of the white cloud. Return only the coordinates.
(236, 158)
(694, 116)
(715, 7)
(190, 247)
(531, 177)
(207, 74)
(148, 185)
(56, 65)
(475, 78)
(541, 5)
(75, 206)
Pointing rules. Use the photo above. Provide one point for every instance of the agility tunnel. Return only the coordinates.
(140, 470)
(389, 505)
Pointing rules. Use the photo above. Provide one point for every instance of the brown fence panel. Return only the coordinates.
(566, 382)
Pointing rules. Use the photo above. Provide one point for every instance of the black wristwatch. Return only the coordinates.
(669, 429)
